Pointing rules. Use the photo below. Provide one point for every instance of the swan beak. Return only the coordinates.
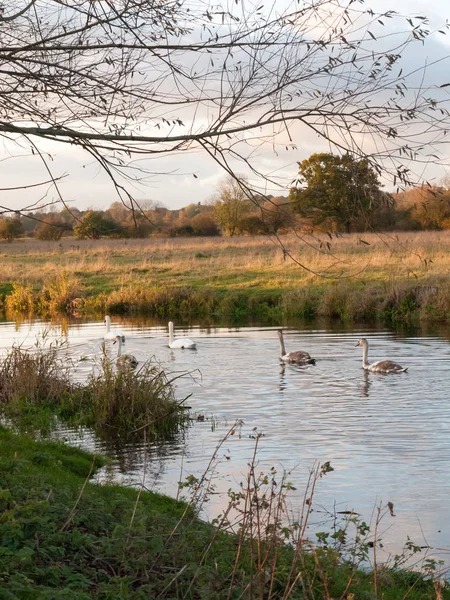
(114, 342)
(357, 344)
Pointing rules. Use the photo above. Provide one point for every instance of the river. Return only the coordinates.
(386, 436)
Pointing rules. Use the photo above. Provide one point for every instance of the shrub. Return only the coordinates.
(58, 294)
(50, 232)
(10, 229)
(21, 299)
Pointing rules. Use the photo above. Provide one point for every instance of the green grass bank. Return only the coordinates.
(63, 537)
(395, 279)
(400, 303)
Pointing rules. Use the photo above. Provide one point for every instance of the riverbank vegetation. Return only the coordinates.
(395, 279)
(37, 387)
(63, 537)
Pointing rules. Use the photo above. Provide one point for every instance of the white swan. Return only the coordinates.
(382, 366)
(179, 342)
(111, 334)
(299, 357)
(124, 361)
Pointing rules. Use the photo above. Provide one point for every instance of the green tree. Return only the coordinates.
(95, 225)
(337, 188)
(10, 229)
(231, 205)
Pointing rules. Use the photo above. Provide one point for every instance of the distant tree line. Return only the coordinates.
(331, 193)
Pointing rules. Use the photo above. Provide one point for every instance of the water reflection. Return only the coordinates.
(387, 437)
(283, 382)
(365, 385)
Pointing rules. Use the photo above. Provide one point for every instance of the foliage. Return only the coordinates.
(57, 295)
(416, 208)
(336, 188)
(10, 229)
(34, 378)
(128, 399)
(231, 205)
(95, 225)
(22, 299)
(277, 214)
(204, 224)
(111, 401)
(253, 225)
(49, 232)
(429, 206)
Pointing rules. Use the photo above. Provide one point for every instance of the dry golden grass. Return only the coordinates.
(238, 262)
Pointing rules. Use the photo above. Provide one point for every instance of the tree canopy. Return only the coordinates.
(231, 206)
(336, 188)
(95, 225)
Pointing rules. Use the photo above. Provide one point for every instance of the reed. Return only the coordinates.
(111, 400)
(128, 401)
(34, 378)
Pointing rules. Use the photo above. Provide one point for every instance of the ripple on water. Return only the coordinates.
(386, 436)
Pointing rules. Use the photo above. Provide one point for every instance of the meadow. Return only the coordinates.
(356, 276)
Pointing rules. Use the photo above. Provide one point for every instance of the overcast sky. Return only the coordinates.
(85, 185)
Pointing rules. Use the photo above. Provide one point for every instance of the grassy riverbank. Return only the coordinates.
(396, 279)
(62, 537)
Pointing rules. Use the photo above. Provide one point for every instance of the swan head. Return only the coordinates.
(362, 342)
(118, 338)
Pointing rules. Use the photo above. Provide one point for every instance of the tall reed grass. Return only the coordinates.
(130, 400)
(34, 378)
(121, 401)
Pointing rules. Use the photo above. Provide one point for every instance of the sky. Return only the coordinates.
(188, 177)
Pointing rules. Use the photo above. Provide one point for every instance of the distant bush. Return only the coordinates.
(204, 224)
(10, 229)
(95, 225)
(50, 232)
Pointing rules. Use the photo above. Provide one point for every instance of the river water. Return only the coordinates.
(386, 436)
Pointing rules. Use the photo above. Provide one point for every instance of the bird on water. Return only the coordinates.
(381, 366)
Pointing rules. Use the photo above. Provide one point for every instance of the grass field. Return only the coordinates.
(116, 271)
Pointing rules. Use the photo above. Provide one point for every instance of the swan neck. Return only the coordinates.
(282, 348)
(170, 332)
(108, 324)
(119, 349)
(365, 353)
